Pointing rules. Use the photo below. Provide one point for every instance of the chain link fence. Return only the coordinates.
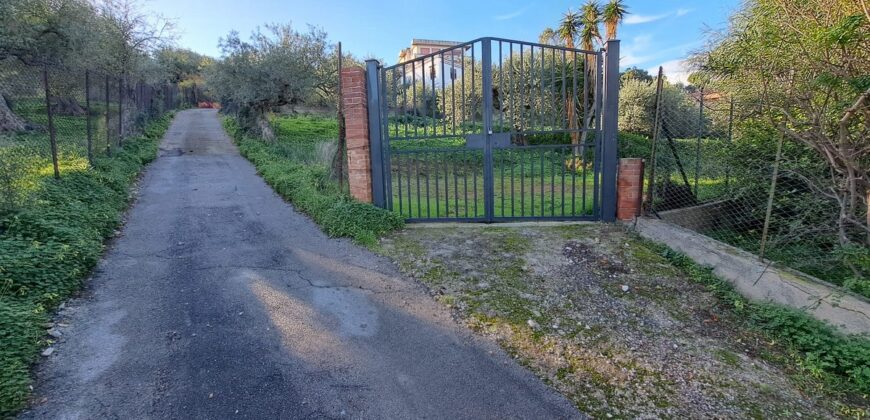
(55, 120)
(715, 168)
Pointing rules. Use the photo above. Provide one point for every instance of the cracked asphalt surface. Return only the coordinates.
(218, 300)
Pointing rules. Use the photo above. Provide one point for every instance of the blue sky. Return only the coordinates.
(657, 32)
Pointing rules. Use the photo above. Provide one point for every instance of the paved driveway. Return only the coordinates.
(219, 300)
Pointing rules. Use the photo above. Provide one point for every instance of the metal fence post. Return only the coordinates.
(121, 111)
(88, 117)
(730, 136)
(698, 140)
(655, 140)
(52, 136)
(488, 187)
(108, 121)
(610, 132)
(373, 93)
(770, 196)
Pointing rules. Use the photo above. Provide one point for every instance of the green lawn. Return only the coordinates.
(25, 158)
(533, 182)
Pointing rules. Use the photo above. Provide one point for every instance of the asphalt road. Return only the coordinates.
(218, 300)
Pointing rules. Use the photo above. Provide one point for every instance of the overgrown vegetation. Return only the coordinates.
(297, 166)
(48, 247)
(800, 70)
(842, 362)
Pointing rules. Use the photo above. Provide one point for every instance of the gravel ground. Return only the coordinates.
(605, 321)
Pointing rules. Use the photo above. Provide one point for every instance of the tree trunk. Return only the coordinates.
(66, 106)
(9, 122)
(264, 129)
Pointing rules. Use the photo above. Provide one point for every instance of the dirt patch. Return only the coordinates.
(605, 320)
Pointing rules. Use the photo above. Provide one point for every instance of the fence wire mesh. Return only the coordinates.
(715, 168)
(56, 120)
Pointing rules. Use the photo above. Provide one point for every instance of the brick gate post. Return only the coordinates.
(629, 188)
(356, 116)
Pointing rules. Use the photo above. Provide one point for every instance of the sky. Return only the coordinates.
(656, 32)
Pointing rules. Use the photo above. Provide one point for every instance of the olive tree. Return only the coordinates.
(277, 66)
(637, 108)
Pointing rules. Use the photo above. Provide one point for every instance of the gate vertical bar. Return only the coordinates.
(373, 93)
(610, 134)
(488, 185)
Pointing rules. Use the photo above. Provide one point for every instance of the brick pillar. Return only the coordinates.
(629, 188)
(354, 100)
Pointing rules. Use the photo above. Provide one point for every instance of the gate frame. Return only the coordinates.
(606, 146)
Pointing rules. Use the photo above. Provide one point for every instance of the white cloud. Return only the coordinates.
(636, 19)
(509, 16)
(677, 71)
(636, 51)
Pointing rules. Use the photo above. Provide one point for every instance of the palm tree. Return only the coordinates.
(612, 15)
(569, 28)
(567, 32)
(590, 17)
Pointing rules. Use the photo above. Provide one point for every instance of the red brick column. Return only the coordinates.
(357, 131)
(629, 188)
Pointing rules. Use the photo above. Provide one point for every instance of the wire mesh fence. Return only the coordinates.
(717, 169)
(55, 120)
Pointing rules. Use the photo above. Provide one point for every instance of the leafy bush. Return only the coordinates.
(286, 166)
(634, 146)
(21, 330)
(49, 246)
(816, 346)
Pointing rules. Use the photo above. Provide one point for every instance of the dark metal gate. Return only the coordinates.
(496, 130)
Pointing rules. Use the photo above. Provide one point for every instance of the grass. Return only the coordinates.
(444, 178)
(297, 166)
(49, 246)
(526, 183)
(25, 158)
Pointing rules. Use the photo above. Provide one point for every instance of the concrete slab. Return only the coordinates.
(761, 280)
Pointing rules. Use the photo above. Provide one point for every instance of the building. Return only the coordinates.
(442, 68)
